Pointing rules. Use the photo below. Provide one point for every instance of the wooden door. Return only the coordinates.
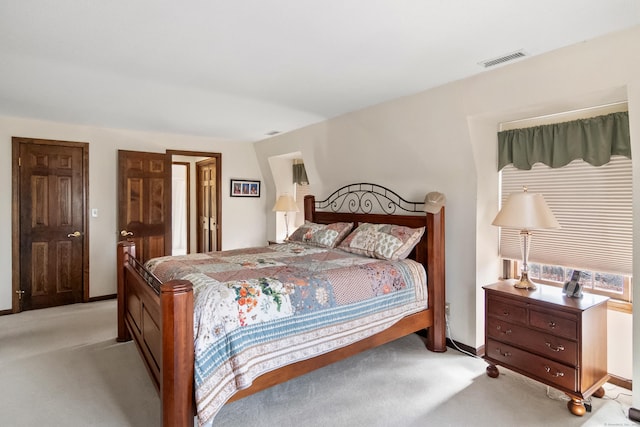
(207, 206)
(144, 202)
(53, 247)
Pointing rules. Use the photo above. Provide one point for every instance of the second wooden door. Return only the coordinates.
(144, 202)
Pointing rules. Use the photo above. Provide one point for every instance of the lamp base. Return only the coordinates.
(525, 283)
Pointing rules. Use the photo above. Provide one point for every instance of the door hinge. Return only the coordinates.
(20, 292)
(19, 161)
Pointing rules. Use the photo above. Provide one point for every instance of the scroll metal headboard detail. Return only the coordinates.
(365, 197)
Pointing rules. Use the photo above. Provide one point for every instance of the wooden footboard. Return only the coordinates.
(159, 318)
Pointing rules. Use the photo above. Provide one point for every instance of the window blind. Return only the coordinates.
(593, 206)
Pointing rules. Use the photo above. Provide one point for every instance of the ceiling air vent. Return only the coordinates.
(502, 59)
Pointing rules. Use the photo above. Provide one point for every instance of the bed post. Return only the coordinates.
(437, 337)
(176, 382)
(125, 249)
(309, 207)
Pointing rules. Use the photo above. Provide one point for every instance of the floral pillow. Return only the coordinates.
(328, 235)
(383, 241)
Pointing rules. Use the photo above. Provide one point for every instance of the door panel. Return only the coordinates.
(144, 198)
(51, 222)
(207, 206)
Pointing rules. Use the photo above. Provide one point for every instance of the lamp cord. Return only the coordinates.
(446, 317)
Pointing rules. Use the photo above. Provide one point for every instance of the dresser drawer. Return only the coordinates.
(561, 326)
(543, 369)
(506, 310)
(553, 347)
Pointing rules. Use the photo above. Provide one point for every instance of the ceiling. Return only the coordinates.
(239, 69)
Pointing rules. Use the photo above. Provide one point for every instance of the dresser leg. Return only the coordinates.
(599, 393)
(492, 371)
(576, 407)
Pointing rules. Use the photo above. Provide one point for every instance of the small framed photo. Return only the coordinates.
(245, 188)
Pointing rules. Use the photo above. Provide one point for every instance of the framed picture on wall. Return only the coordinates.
(245, 188)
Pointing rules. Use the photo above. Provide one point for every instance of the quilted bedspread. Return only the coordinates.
(259, 309)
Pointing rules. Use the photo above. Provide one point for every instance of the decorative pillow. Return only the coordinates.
(384, 241)
(328, 235)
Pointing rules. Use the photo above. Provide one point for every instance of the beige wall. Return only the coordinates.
(242, 218)
(445, 139)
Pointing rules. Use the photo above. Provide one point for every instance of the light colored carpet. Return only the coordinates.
(62, 367)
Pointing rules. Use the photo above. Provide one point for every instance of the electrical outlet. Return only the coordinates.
(447, 308)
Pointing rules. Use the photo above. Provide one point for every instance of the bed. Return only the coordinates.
(159, 314)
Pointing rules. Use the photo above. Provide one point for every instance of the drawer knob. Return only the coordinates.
(507, 332)
(556, 348)
(556, 374)
(505, 354)
(552, 324)
(505, 313)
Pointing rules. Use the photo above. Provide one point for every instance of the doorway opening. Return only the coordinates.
(199, 203)
(180, 208)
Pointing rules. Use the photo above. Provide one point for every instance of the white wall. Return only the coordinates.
(445, 139)
(282, 174)
(242, 218)
(633, 90)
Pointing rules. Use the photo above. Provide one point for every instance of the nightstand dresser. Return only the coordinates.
(544, 335)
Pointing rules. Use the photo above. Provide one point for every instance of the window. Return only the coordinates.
(616, 286)
(594, 208)
(301, 188)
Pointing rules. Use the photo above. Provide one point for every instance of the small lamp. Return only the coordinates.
(285, 203)
(525, 211)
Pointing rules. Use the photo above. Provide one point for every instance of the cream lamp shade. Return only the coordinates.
(525, 211)
(285, 203)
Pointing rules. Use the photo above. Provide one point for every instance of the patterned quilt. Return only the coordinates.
(259, 309)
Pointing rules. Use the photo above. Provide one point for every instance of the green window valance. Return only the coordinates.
(593, 140)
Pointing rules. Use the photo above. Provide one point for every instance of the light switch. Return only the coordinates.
(94, 213)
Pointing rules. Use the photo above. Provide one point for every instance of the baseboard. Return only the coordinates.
(458, 345)
(92, 299)
(620, 382)
(103, 297)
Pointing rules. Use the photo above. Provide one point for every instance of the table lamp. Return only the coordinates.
(286, 204)
(525, 211)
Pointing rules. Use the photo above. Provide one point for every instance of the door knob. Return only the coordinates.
(74, 234)
(125, 233)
